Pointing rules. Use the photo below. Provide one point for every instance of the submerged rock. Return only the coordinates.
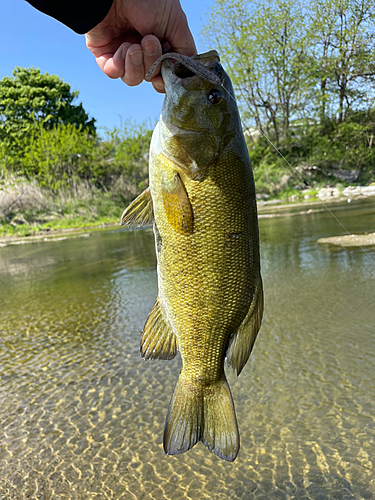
(350, 240)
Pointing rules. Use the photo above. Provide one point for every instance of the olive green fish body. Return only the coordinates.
(207, 279)
(210, 298)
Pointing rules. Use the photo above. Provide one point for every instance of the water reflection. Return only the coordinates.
(82, 415)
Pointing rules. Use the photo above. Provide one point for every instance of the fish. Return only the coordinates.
(202, 204)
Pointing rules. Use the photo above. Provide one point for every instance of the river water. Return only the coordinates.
(82, 415)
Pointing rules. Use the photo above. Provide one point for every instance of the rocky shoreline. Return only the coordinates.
(322, 194)
(349, 192)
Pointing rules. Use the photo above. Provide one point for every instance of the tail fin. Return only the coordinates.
(202, 413)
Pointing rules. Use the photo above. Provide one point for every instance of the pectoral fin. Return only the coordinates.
(242, 342)
(140, 211)
(177, 205)
(158, 340)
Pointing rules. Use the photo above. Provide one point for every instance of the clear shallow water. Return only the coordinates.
(82, 415)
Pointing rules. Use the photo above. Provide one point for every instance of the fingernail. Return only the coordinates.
(151, 48)
(136, 57)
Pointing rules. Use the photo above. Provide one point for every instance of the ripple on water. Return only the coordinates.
(82, 415)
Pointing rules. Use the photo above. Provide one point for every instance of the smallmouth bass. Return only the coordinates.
(201, 201)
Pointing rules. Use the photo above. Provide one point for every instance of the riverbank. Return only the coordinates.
(28, 210)
(58, 234)
(77, 228)
(64, 228)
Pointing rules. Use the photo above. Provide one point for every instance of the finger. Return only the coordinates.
(134, 69)
(152, 50)
(158, 84)
(102, 60)
(114, 67)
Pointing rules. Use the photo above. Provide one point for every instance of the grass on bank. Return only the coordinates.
(27, 209)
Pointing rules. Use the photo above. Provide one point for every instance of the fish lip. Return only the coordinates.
(179, 129)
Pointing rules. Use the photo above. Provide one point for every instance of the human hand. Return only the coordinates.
(129, 40)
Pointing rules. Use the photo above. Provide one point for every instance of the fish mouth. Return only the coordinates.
(176, 72)
(179, 69)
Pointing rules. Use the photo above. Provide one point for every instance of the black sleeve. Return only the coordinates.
(80, 15)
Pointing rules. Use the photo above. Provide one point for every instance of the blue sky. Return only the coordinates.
(29, 38)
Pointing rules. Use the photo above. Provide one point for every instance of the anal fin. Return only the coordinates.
(140, 211)
(158, 341)
(242, 342)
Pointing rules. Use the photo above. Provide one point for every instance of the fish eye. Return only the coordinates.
(215, 96)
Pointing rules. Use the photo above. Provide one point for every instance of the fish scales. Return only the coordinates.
(206, 293)
(210, 302)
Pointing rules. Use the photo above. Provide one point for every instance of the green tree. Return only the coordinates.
(264, 44)
(131, 158)
(304, 74)
(343, 48)
(29, 98)
(59, 157)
